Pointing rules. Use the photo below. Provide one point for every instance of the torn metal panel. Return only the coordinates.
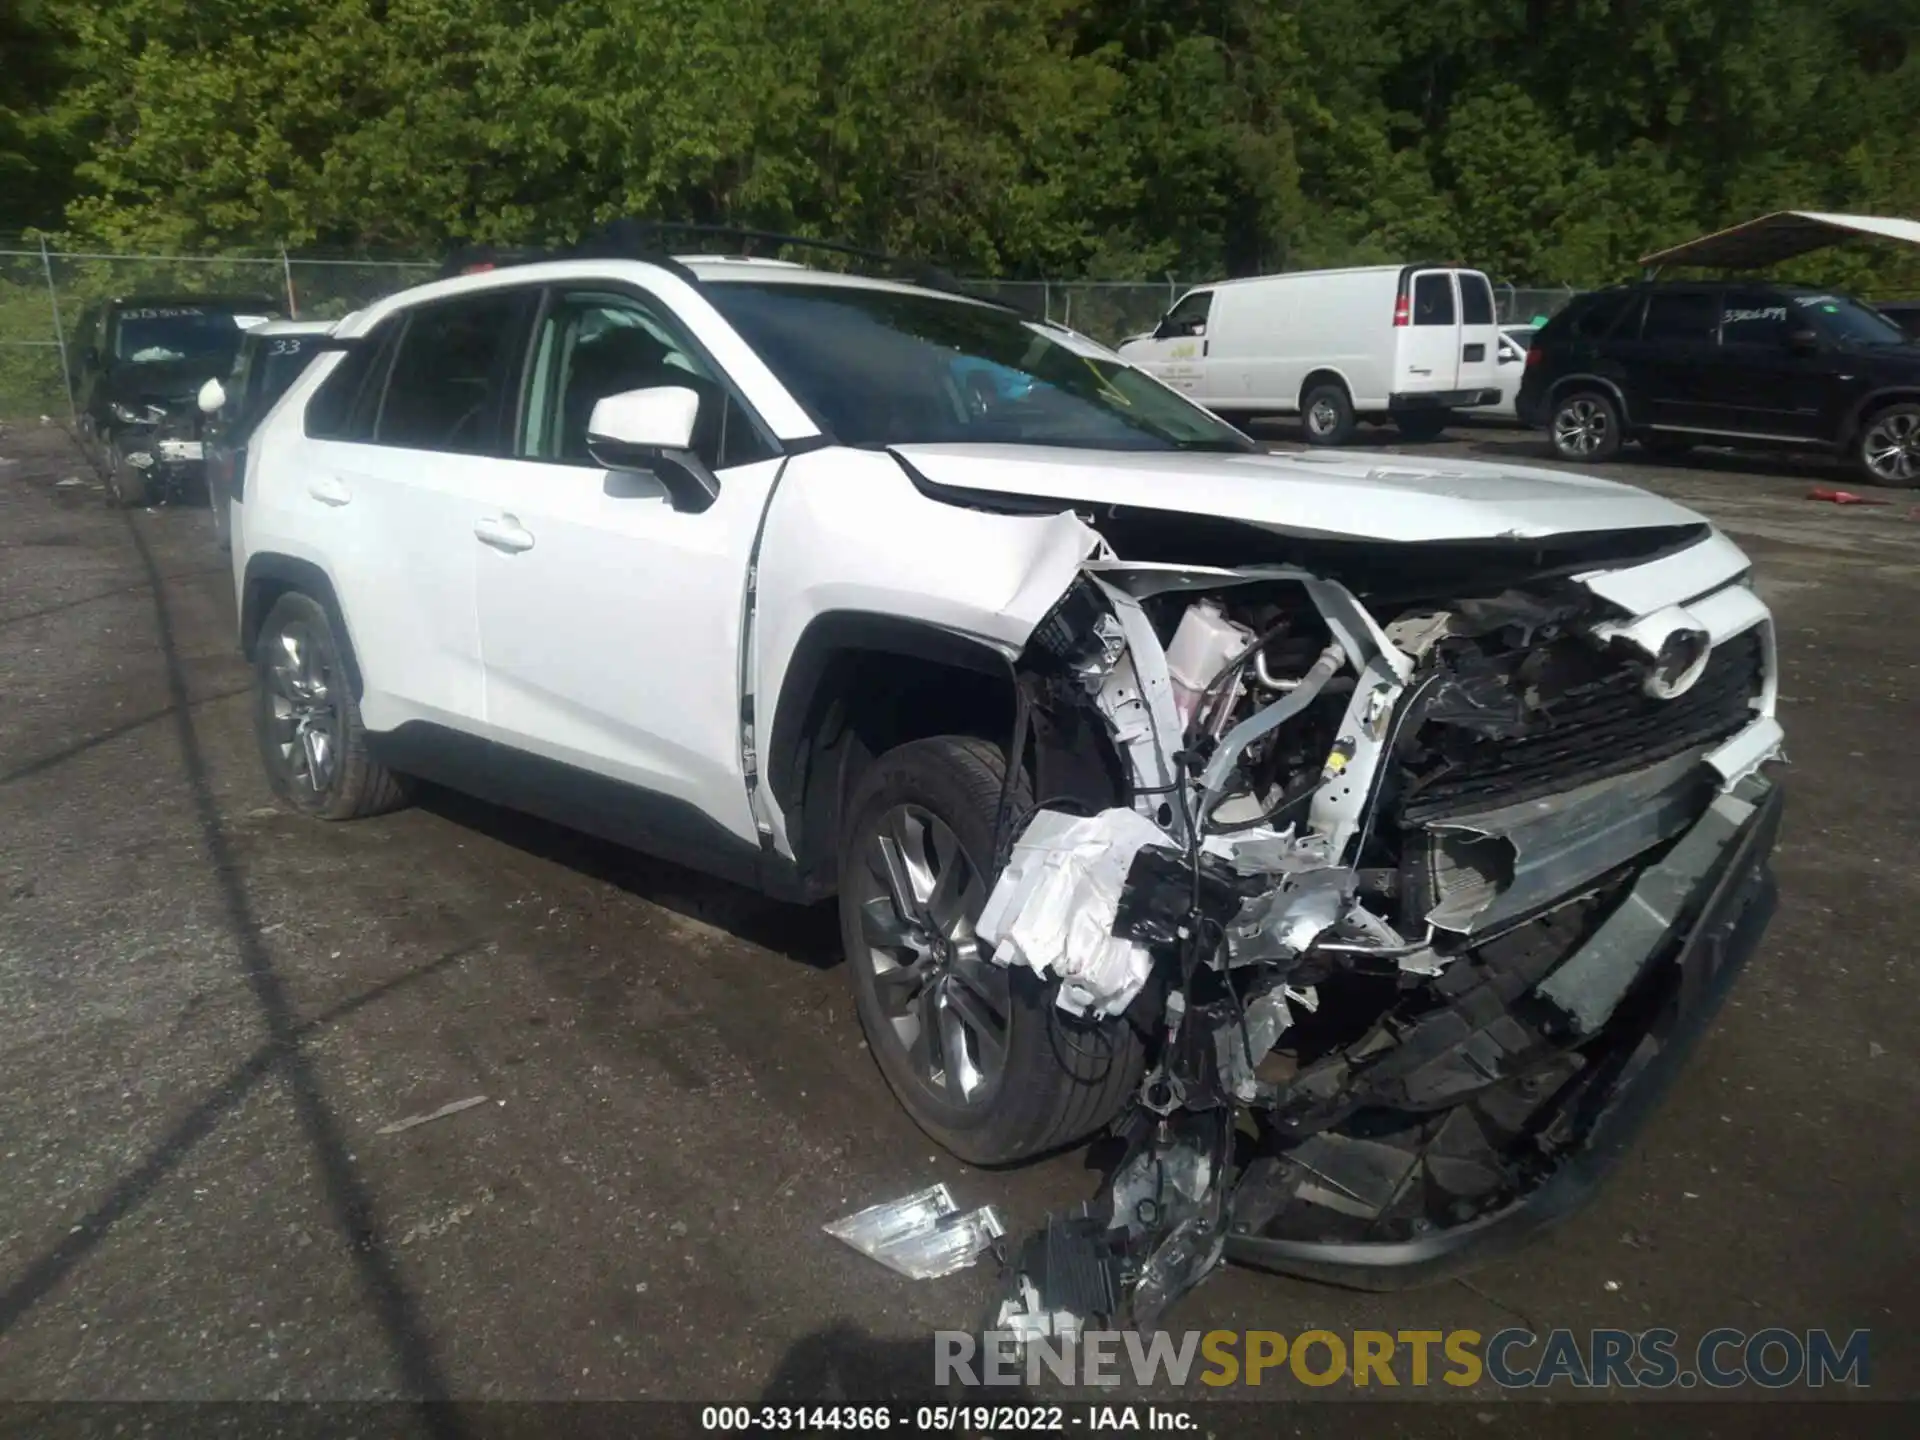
(1486, 869)
(1589, 986)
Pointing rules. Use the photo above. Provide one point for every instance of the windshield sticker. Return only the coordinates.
(1824, 302)
(163, 313)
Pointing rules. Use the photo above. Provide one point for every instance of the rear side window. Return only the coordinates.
(450, 385)
(347, 403)
(1681, 316)
(1476, 299)
(1595, 319)
(1433, 300)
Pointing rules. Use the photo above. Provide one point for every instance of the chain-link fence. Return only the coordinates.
(1528, 307)
(45, 293)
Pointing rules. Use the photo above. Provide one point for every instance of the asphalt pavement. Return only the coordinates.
(210, 1010)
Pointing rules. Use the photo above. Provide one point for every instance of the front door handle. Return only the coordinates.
(504, 533)
(329, 490)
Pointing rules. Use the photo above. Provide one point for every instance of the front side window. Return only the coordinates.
(898, 367)
(1753, 317)
(592, 345)
(1189, 317)
(1681, 316)
(1841, 318)
(449, 384)
(1433, 300)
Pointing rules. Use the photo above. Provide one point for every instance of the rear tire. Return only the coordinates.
(312, 741)
(1888, 450)
(1420, 426)
(1585, 426)
(1326, 414)
(978, 1055)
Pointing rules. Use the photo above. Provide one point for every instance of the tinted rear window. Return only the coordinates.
(1476, 300)
(1592, 317)
(1433, 300)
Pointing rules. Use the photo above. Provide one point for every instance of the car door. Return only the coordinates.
(391, 493)
(611, 621)
(1664, 362)
(1428, 354)
(1759, 383)
(1479, 353)
(1176, 352)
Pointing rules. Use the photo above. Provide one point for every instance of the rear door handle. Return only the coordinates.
(504, 533)
(329, 490)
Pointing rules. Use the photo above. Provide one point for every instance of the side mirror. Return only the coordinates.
(212, 396)
(652, 431)
(1802, 341)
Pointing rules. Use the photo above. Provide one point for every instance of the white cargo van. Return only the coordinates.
(1410, 343)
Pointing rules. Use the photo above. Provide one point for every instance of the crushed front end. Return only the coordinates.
(1424, 878)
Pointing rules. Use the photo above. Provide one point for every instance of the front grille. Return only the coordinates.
(1605, 726)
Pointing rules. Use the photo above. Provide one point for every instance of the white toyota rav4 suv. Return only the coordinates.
(1370, 835)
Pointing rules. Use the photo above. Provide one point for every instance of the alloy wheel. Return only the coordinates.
(305, 716)
(946, 1004)
(1323, 418)
(1580, 427)
(1891, 448)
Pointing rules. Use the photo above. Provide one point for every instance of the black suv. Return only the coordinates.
(1673, 364)
(141, 360)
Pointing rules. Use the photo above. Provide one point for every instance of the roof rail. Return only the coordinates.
(652, 241)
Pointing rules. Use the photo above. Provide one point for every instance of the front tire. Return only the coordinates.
(1585, 427)
(1326, 413)
(312, 741)
(1888, 451)
(977, 1054)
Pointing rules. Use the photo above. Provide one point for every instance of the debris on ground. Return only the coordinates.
(922, 1236)
(68, 483)
(445, 1110)
(1843, 497)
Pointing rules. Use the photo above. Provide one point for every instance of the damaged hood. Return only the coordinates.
(1345, 495)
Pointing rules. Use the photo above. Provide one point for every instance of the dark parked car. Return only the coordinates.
(140, 362)
(270, 359)
(1671, 364)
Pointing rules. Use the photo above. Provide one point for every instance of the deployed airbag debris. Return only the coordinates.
(1053, 907)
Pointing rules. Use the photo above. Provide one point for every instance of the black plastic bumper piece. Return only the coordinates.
(1442, 399)
(1721, 939)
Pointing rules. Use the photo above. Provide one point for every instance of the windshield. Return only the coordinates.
(1850, 321)
(153, 335)
(886, 367)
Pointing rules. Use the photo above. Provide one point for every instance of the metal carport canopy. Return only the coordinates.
(1757, 244)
